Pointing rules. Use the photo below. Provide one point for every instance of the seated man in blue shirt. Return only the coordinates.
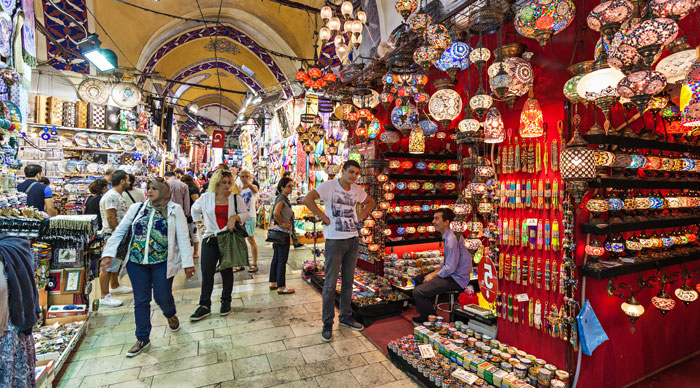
(454, 273)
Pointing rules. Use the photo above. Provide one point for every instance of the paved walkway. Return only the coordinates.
(269, 340)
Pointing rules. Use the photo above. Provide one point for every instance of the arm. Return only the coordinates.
(112, 218)
(278, 216)
(310, 203)
(367, 207)
(182, 234)
(451, 258)
(186, 198)
(119, 232)
(254, 189)
(243, 213)
(197, 210)
(48, 202)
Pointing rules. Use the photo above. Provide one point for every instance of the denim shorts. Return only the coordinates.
(114, 267)
(250, 226)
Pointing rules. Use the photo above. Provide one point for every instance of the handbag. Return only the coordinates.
(276, 236)
(123, 248)
(238, 228)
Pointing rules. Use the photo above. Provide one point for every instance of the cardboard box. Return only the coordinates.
(60, 311)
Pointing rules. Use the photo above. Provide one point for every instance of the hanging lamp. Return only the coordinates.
(540, 19)
(494, 131)
(445, 104)
(416, 141)
(531, 120)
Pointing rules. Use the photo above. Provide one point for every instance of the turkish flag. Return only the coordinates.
(218, 139)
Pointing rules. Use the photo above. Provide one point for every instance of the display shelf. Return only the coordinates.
(406, 367)
(397, 221)
(625, 269)
(671, 221)
(464, 316)
(635, 142)
(74, 129)
(425, 177)
(436, 197)
(412, 241)
(646, 183)
(95, 149)
(407, 155)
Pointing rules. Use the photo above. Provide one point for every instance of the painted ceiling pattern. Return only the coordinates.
(66, 33)
(216, 63)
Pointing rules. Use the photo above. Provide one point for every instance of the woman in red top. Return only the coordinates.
(218, 209)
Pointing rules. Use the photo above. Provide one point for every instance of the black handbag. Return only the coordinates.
(238, 228)
(123, 248)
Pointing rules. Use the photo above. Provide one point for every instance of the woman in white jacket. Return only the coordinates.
(218, 209)
(158, 250)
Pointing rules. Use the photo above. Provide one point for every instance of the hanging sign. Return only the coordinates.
(487, 279)
(218, 139)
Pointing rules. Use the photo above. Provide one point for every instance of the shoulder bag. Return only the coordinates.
(276, 236)
(123, 248)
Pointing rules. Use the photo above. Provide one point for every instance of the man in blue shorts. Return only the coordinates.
(249, 193)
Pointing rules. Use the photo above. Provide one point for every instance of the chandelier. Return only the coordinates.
(540, 19)
(314, 78)
(340, 32)
(600, 86)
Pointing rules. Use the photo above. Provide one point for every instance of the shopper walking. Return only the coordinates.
(454, 273)
(133, 194)
(283, 218)
(340, 196)
(159, 248)
(249, 193)
(180, 192)
(112, 210)
(39, 195)
(218, 210)
(194, 191)
(97, 188)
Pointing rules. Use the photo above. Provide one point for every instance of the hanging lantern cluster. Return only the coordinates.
(342, 31)
(511, 75)
(315, 78)
(402, 88)
(310, 135)
(540, 19)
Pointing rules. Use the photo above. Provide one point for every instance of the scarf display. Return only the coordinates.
(69, 228)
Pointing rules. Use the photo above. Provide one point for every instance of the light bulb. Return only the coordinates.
(632, 309)
(339, 39)
(342, 51)
(356, 40)
(324, 34)
(361, 16)
(334, 24)
(326, 13)
(357, 27)
(346, 9)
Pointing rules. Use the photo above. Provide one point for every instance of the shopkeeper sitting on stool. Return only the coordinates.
(454, 273)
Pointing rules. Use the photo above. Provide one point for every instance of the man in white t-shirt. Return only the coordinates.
(249, 193)
(340, 198)
(112, 210)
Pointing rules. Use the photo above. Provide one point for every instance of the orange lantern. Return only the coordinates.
(531, 121)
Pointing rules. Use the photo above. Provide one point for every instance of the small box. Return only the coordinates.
(61, 311)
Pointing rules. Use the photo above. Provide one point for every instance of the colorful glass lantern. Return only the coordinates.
(691, 113)
(650, 35)
(577, 163)
(531, 121)
(386, 99)
(609, 15)
(404, 117)
(540, 19)
(405, 7)
(640, 86)
(419, 22)
(480, 102)
(436, 35)
(429, 128)
(416, 141)
(686, 294)
(675, 66)
(615, 245)
(389, 137)
(425, 56)
(421, 99)
(570, 89)
(469, 125)
(445, 104)
(595, 249)
(663, 302)
(494, 132)
(485, 206)
(632, 309)
(479, 55)
(674, 9)
(522, 76)
(604, 158)
(621, 54)
(454, 59)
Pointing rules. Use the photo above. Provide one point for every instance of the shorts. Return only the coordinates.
(194, 236)
(250, 226)
(114, 267)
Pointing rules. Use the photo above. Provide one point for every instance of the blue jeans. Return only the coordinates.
(144, 280)
(278, 267)
(341, 255)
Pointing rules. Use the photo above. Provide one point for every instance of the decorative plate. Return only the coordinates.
(102, 141)
(92, 140)
(13, 109)
(127, 143)
(5, 34)
(81, 139)
(66, 141)
(94, 91)
(114, 141)
(8, 5)
(72, 165)
(93, 168)
(126, 95)
(82, 165)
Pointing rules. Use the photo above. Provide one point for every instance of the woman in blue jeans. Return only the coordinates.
(159, 249)
(284, 222)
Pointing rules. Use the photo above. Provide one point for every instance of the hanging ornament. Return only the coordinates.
(540, 19)
(419, 22)
(531, 121)
(405, 7)
(445, 104)
(494, 132)
(454, 59)
(416, 141)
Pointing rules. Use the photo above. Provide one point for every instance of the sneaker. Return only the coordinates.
(225, 308)
(418, 320)
(174, 323)
(352, 325)
(110, 301)
(201, 313)
(121, 290)
(138, 347)
(327, 333)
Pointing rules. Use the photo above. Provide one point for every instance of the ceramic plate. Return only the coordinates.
(102, 140)
(114, 141)
(93, 167)
(82, 165)
(72, 165)
(66, 141)
(127, 143)
(81, 139)
(92, 140)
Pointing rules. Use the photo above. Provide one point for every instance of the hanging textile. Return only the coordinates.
(67, 33)
(18, 359)
(28, 33)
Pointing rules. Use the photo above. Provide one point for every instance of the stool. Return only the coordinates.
(452, 303)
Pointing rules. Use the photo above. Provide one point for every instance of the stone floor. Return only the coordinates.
(269, 340)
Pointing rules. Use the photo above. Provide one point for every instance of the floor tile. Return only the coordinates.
(281, 377)
(140, 383)
(396, 372)
(103, 379)
(337, 380)
(261, 336)
(180, 364)
(346, 347)
(285, 359)
(318, 352)
(306, 383)
(214, 345)
(249, 351)
(374, 356)
(245, 367)
(372, 375)
(179, 337)
(195, 377)
(405, 383)
(329, 366)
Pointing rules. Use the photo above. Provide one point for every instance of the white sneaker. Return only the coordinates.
(110, 301)
(121, 290)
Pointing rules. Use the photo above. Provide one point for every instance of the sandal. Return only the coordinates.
(286, 291)
(238, 269)
(272, 288)
(253, 268)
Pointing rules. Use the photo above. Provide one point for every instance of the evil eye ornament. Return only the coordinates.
(53, 131)
(401, 231)
(46, 136)
(425, 208)
(421, 165)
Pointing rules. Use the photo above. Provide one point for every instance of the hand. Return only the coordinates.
(105, 263)
(189, 272)
(325, 220)
(232, 222)
(287, 224)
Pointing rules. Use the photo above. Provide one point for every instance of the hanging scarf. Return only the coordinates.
(28, 33)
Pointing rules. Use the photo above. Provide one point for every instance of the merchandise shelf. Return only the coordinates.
(74, 129)
(646, 183)
(625, 269)
(634, 142)
(670, 221)
(407, 155)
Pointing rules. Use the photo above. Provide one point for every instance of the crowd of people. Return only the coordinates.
(153, 236)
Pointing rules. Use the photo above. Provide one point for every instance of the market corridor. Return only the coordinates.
(269, 340)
